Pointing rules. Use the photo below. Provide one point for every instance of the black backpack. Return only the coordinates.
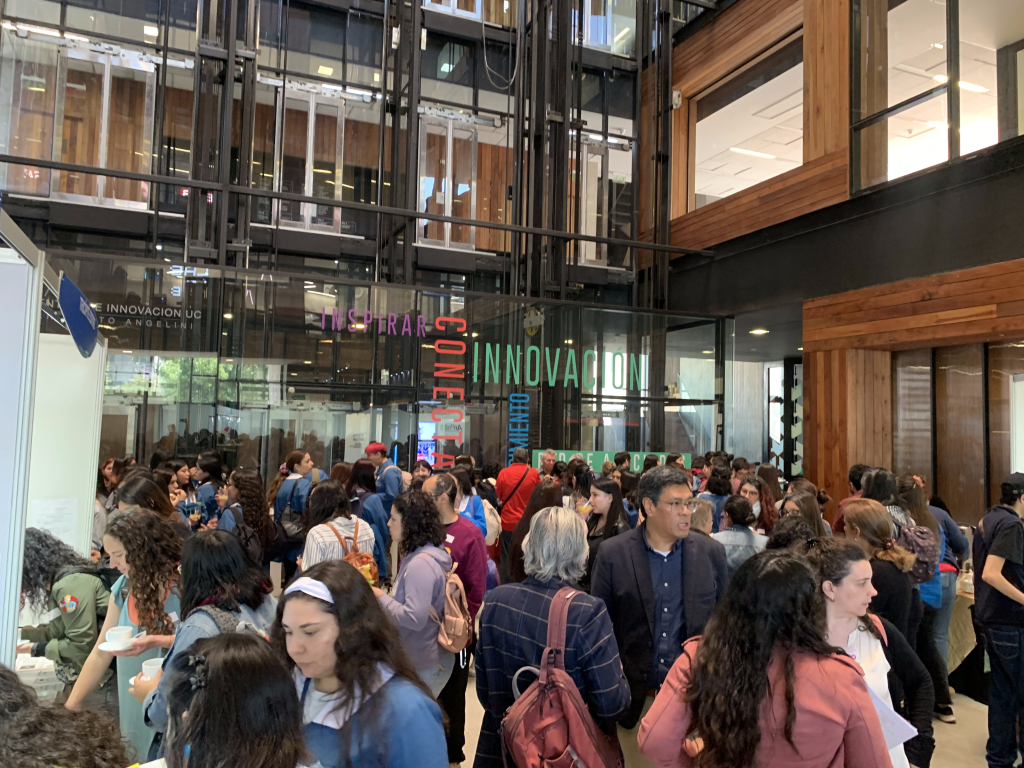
(247, 536)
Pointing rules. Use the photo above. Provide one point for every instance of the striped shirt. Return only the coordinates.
(322, 545)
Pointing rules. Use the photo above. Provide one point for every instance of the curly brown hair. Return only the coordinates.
(42, 736)
(152, 550)
(421, 522)
(253, 499)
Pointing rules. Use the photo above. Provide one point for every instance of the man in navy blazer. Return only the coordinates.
(660, 585)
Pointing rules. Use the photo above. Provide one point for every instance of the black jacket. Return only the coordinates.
(912, 694)
(895, 593)
(622, 578)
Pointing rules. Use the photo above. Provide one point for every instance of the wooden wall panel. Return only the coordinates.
(812, 186)
(962, 307)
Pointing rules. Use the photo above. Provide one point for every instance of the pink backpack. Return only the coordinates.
(549, 726)
(456, 628)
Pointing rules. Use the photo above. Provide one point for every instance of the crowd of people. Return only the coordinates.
(704, 615)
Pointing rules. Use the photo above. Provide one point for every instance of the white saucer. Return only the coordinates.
(108, 647)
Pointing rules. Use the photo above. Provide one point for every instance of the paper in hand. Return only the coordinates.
(895, 729)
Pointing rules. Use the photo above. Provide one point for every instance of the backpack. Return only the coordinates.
(247, 536)
(920, 541)
(361, 561)
(549, 724)
(493, 522)
(456, 629)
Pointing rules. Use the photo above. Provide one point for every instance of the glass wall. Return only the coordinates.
(749, 127)
(255, 367)
(907, 115)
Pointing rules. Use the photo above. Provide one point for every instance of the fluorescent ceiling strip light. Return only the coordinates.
(752, 153)
(963, 84)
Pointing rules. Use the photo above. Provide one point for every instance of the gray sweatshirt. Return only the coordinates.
(420, 585)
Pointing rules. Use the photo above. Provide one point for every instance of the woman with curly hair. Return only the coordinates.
(34, 735)
(763, 686)
(417, 528)
(245, 488)
(363, 702)
(143, 548)
(70, 594)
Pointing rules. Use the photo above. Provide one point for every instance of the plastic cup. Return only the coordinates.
(120, 637)
(151, 668)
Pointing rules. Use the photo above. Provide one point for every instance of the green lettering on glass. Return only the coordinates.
(476, 360)
(532, 380)
(589, 382)
(491, 363)
(512, 366)
(570, 362)
(635, 379)
(552, 369)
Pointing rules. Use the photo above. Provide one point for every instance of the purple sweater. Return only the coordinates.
(466, 545)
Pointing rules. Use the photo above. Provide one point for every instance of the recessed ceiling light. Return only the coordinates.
(972, 87)
(937, 45)
(307, 362)
(568, 341)
(228, 315)
(150, 31)
(759, 331)
(752, 153)
(799, 349)
(326, 71)
(709, 351)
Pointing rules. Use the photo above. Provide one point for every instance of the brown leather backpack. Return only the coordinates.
(361, 561)
(549, 726)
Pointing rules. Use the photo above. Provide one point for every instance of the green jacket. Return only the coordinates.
(78, 602)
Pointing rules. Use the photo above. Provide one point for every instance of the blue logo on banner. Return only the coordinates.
(78, 314)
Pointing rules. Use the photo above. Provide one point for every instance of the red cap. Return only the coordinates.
(376, 448)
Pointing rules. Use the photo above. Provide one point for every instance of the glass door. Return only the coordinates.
(591, 180)
(447, 184)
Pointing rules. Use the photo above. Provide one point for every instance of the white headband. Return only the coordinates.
(311, 587)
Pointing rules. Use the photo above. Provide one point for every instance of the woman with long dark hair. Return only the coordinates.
(232, 702)
(365, 502)
(628, 482)
(363, 703)
(207, 477)
(68, 591)
(741, 542)
(717, 490)
(249, 494)
(290, 490)
(420, 585)
(606, 519)
(471, 506)
(221, 589)
(763, 686)
(144, 548)
(140, 490)
(805, 505)
(547, 493)
(329, 523)
(755, 490)
(891, 668)
(913, 499)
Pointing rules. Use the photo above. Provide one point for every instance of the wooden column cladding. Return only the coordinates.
(729, 41)
(847, 416)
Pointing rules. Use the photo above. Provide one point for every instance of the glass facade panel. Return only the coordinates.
(255, 367)
(1005, 413)
(908, 141)
(960, 430)
(433, 178)
(129, 129)
(326, 154)
(463, 189)
(749, 128)
(134, 20)
(28, 84)
(912, 414)
(263, 144)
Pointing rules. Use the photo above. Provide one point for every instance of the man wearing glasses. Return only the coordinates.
(660, 585)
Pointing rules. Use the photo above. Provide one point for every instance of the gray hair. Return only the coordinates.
(520, 456)
(551, 452)
(556, 546)
(657, 479)
(576, 456)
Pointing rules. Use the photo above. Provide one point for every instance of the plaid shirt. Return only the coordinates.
(513, 633)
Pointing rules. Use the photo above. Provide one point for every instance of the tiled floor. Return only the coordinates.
(956, 746)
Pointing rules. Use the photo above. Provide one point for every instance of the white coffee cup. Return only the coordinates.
(120, 638)
(151, 668)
